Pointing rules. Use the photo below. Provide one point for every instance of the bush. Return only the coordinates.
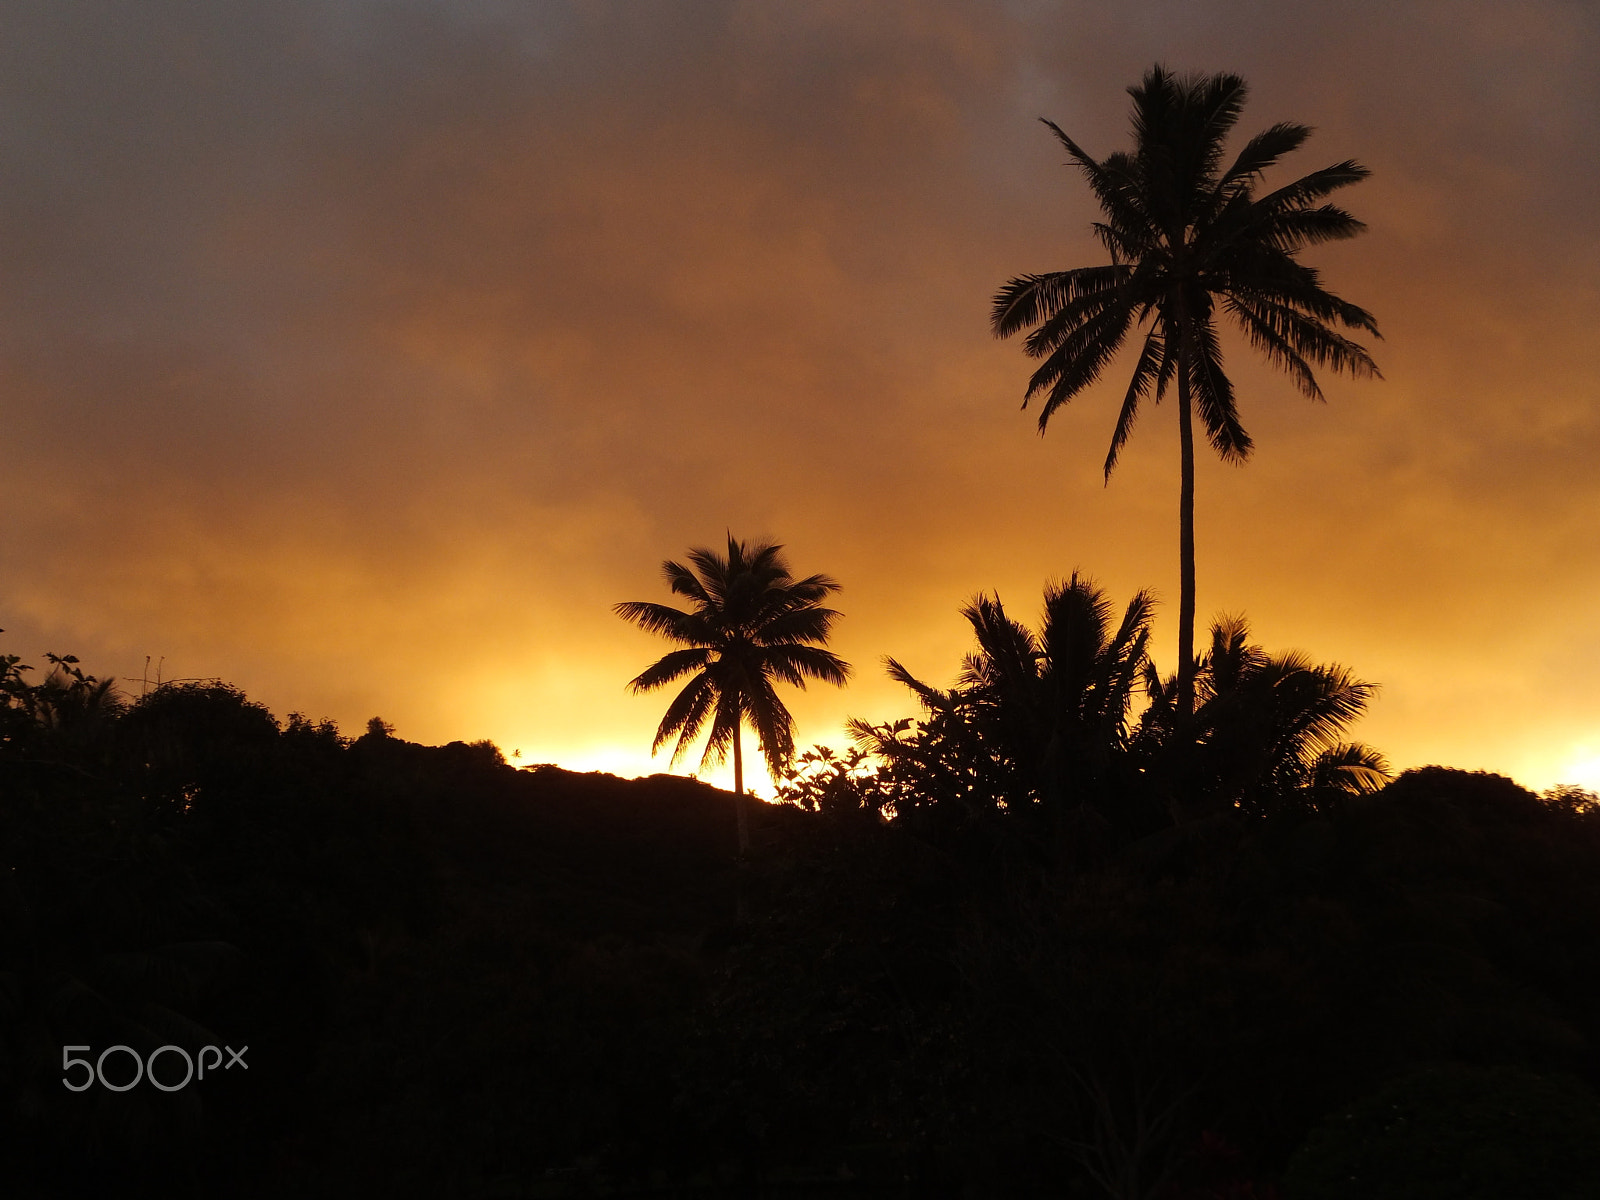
(1453, 1132)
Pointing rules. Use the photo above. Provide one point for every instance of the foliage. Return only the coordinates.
(1456, 1132)
(1037, 726)
(1570, 798)
(838, 784)
(1037, 737)
(59, 717)
(1186, 241)
(1266, 737)
(750, 623)
(176, 870)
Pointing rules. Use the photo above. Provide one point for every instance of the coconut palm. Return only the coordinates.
(1268, 731)
(749, 624)
(1035, 718)
(1189, 242)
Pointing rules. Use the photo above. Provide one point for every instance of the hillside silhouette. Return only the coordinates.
(456, 977)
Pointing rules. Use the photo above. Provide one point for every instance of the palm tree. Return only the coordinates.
(1268, 731)
(1035, 718)
(750, 623)
(1186, 239)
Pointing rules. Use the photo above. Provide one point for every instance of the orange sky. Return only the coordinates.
(363, 354)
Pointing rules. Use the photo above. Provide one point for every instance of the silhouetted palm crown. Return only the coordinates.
(749, 625)
(1188, 238)
(1269, 728)
(1183, 240)
(1037, 715)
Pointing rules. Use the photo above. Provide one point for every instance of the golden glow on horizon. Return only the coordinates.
(1581, 769)
(1537, 768)
(1536, 765)
(630, 764)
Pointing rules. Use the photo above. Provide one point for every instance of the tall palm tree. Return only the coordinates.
(749, 624)
(1187, 239)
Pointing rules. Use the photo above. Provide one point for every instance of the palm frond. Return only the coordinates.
(930, 696)
(1288, 338)
(1147, 374)
(669, 667)
(1073, 639)
(727, 715)
(712, 575)
(685, 715)
(1351, 767)
(1262, 152)
(685, 582)
(1308, 189)
(655, 618)
(1295, 230)
(1072, 318)
(1267, 339)
(1305, 303)
(809, 590)
(773, 725)
(1232, 658)
(1212, 393)
(792, 624)
(1321, 702)
(1079, 360)
(1111, 182)
(797, 663)
(1027, 300)
(1127, 654)
(1009, 648)
(1219, 102)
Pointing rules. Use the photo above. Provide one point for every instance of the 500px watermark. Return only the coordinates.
(145, 1068)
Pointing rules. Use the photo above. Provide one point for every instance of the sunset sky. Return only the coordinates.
(363, 354)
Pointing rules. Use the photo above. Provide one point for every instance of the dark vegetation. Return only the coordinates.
(1062, 972)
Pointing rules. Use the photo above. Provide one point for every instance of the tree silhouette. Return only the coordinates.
(1268, 731)
(1034, 719)
(750, 624)
(1186, 241)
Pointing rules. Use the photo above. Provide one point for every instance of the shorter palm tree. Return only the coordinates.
(1036, 720)
(750, 624)
(1268, 732)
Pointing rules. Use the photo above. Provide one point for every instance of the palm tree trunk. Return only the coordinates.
(741, 910)
(1185, 546)
(740, 807)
